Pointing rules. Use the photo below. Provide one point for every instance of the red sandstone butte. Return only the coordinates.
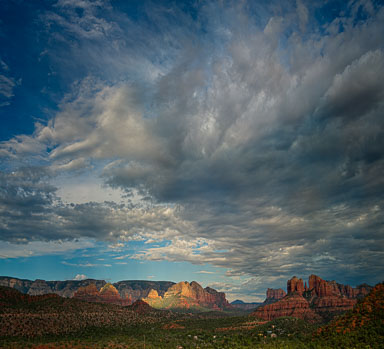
(107, 294)
(291, 305)
(320, 300)
(276, 294)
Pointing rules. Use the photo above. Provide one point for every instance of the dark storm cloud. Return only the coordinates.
(268, 137)
(30, 210)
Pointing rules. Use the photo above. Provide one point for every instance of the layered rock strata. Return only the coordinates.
(321, 300)
(107, 294)
(185, 295)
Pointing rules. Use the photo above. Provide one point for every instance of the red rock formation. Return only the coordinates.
(107, 294)
(188, 295)
(362, 290)
(141, 307)
(295, 285)
(216, 299)
(153, 295)
(323, 298)
(88, 293)
(323, 288)
(332, 304)
(275, 294)
(291, 305)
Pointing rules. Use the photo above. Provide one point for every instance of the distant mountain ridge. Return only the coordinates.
(136, 289)
(239, 304)
(158, 294)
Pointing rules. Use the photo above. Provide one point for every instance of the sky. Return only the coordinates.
(234, 143)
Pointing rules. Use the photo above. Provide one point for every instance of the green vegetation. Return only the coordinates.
(54, 322)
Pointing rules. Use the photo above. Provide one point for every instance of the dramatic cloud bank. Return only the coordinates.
(245, 136)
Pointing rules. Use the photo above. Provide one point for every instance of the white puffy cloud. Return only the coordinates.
(80, 277)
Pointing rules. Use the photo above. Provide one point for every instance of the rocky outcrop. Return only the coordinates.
(39, 287)
(191, 296)
(274, 295)
(153, 295)
(323, 288)
(366, 319)
(107, 294)
(295, 285)
(62, 288)
(361, 291)
(67, 288)
(141, 307)
(181, 295)
(139, 289)
(21, 285)
(88, 293)
(134, 289)
(321, 300)
(293, 304)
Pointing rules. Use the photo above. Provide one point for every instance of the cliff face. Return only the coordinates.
(321, 300)
(291, 305)
(107, 294)
(165, 294)
(185, 295)
(38, 287)
(367, 317)
(274, 295)
(295, 285)
(134, 289)
(18, 284)
(140, 289)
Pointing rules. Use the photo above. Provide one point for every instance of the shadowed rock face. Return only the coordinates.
(141, 307)
(136, 289)
(38, 287)
(295, 285)
(320, 301)
(291, 305)
(107, 294)
(273, 295)
(164, 294)
(139, 289)
(276, 294)
(185, 295)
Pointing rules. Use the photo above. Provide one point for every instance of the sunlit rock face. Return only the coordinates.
(321, 300)
(192, 296)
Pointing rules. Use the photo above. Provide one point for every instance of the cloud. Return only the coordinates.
(257, 146)
(80, 277)
(86, 265)
(7, 84)
(22, 248)
(204, 272)
(31, 211)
